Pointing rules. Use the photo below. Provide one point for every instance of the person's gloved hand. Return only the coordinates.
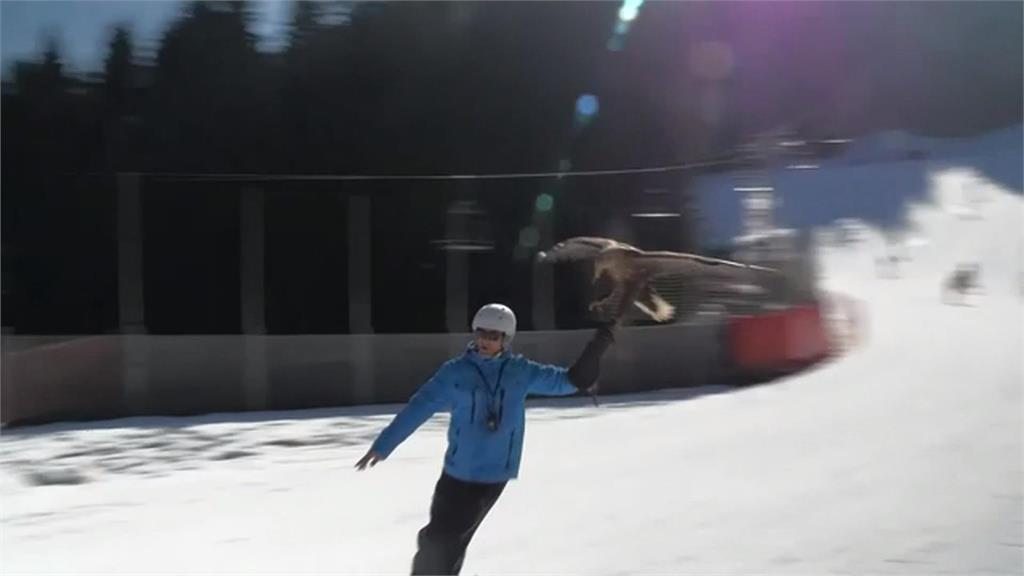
(584, 372)
(605, 334)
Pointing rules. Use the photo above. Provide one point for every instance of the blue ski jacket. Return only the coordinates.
(487, 401)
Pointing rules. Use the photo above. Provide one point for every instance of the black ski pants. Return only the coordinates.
(456, 512)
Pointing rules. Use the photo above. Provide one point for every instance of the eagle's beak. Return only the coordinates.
(542, 256)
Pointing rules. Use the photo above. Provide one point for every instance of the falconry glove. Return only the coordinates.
(584, 372)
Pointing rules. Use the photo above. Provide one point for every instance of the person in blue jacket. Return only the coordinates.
(485, 390)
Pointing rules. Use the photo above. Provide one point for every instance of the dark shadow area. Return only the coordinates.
(359, 414)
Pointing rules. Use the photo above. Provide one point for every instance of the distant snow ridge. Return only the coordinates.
(965, 221)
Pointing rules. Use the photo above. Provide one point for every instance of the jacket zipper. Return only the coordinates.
(511, 441)
(455, 447)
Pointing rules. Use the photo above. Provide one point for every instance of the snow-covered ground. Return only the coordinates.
(903, 456)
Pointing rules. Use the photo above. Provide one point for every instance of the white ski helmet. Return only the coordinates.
(499, 318)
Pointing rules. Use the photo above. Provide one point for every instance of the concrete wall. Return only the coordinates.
(134, 374)
(48, 380)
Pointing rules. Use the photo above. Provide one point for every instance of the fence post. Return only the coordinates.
(130, 293)
(253, 299)
(360, 298)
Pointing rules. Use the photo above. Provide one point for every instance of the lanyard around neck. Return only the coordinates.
(483, 378)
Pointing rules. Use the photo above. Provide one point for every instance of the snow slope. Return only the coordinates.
(869, 181)
(902, 457)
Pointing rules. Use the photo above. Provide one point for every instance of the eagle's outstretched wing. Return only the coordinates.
(579, 248)
(668, 263)
(631, 272)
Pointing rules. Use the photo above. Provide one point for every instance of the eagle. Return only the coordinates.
(631, 271)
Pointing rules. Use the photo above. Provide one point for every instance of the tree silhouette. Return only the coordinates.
(439, 87)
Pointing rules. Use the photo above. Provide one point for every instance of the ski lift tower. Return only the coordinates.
(757, 190)
(762, 241)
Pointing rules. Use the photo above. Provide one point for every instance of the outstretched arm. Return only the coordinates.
(549, 380)
(434, 395)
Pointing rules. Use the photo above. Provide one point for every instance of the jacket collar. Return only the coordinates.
(474, 356)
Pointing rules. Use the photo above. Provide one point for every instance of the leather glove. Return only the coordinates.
(585, 370)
